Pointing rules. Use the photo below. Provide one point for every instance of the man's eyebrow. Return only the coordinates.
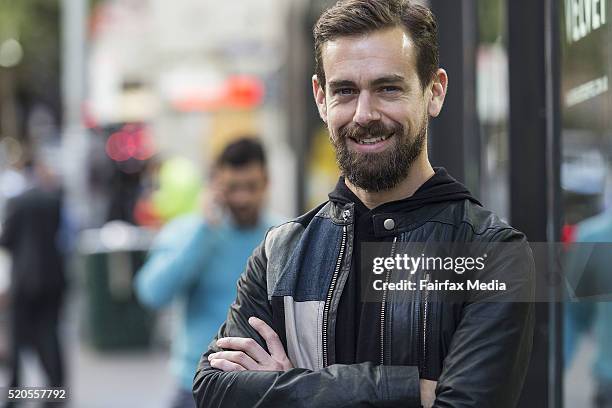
(341, 83)
(390, 79)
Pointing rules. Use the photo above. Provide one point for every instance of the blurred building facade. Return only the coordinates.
(198, 74)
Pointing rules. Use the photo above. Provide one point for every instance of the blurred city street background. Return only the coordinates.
(121, 107)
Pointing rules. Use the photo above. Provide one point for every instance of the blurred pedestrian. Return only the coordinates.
(591, 259)
(197, 259)
(31, 232)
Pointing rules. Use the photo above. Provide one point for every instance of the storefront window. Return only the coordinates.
(586, 175)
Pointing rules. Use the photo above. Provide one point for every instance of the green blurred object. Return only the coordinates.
(115, 319)
(180, 185)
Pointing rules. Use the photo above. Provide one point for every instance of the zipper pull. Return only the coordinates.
(346, 214)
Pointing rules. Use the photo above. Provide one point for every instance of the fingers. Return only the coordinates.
(248, 354)
(225, 365)
(428, 383)
(246, 345)
(237, 357)
(279, 358)
(428, 392)
(269, 335)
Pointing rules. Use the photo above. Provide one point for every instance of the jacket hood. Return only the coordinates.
(441, 187)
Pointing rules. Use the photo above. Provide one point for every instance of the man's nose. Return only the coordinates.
(366, 110)
(242, 197)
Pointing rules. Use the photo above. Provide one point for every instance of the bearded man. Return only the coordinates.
(301, 332)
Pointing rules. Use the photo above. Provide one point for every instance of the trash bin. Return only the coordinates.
(112, 255)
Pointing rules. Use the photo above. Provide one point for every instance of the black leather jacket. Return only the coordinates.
(477, 350)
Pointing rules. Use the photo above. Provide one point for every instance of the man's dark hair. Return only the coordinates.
(359, 17)
(242, 152)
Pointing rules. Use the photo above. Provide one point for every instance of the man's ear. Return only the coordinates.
(319, 95)
(438, 89)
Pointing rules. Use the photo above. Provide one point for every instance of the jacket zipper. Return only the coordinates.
(424, 335)
(330, 292)
(383, 309)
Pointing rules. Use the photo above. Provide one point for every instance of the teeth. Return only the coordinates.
(373, 140)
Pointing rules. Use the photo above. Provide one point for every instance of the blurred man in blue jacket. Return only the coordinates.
(198, 258)
(592, 262)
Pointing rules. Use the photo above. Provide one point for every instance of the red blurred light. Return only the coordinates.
(132, 141)
(144, 147)
(115, 147)
(568, 234)
(244, 91)
(237, 92)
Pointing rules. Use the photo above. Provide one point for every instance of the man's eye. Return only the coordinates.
(345, 91)
(388, 89)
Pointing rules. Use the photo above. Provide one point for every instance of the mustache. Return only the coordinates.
(375, 129)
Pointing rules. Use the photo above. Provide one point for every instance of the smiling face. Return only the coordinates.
(375, 106)
(243, 191)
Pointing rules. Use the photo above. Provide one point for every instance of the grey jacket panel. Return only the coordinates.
(280, 243)
(303, 322)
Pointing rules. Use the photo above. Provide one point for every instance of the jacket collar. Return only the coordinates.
(398, 216)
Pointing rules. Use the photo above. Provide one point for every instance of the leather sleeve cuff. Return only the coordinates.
(401, 385)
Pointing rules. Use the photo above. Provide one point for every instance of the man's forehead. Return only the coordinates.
(248, 170)
(382, 52)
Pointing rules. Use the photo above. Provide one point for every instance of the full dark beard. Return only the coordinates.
(378, 171)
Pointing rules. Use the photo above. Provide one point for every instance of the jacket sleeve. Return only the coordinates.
(357, 385)
(173, 264)
(490, 350)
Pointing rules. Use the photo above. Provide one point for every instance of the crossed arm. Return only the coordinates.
(268, 378)
(246, 354)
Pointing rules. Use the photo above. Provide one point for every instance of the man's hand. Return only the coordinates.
(247, 354)
(213, 202)
(428, 393)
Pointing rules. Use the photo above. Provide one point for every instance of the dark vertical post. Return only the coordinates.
(534, 163)
(304, 116)
(454, 140)
(554, 202)
(298, 94)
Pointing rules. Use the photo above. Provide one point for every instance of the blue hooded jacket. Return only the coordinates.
(196, 265)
